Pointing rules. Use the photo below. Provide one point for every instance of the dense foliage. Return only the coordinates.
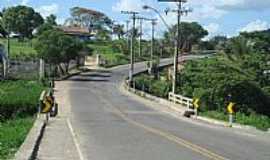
(153, 86)
(191, 33)
(21, 20)
(55, 48)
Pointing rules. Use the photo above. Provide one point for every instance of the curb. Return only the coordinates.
(29, 148)
(179, 110)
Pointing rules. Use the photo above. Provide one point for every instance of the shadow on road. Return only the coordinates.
(87, 80)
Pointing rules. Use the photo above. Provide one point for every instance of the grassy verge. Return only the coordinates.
(112, 53)
(18, 106)
(12, 135)
(259, 121)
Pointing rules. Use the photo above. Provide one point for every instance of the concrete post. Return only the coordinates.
(230, 120)
(41, 69)
(5, 68)
(196, 112)
(98, 60)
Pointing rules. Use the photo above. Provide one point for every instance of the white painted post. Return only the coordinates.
(196, 112)
(98, 60)
(230, 120)
(5, 68)
(41, 69)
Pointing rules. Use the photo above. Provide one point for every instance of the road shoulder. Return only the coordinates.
(58, 140)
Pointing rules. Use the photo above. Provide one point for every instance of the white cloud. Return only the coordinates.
(25, 2)
(257, 25)
(213, 29)
(47, 10)
(130, 5)
(245, 4)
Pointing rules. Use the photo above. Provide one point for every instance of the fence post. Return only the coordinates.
(41, 69)
(98, 60)
(5, 68)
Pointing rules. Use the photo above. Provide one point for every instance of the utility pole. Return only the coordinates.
(180, 11)
(152, 43)
(133, 17)
(127, 34)
(153, 22)
(140, 40)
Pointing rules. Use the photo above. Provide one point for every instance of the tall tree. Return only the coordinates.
(118, 30)
(56, 47)
(22, 20)
(191, 33)
(50, 23)
(89, 18)
(237, 48)
(51, 19)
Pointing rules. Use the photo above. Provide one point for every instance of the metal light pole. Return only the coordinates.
(180, 11)
(133, 17)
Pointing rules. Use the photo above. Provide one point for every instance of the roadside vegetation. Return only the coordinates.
(236, 74)
(18, 106)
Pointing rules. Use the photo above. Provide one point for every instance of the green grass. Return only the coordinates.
(110, 54)
(18, 98)
(12, 135)
(18, 105)
(20, 49)
(259, 121)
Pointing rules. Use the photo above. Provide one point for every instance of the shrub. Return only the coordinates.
(160, 88)
(18, 98)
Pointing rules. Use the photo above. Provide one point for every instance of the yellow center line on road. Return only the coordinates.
(181, 142)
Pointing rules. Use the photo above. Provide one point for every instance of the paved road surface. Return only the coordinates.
(112, 126)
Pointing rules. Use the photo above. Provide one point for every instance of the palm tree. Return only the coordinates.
(118, 29)
(238, 47)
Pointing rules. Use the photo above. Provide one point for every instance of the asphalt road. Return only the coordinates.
(112, 126)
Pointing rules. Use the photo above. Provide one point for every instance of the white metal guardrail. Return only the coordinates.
(187, 102)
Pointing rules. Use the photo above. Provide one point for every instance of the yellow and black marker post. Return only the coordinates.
(196, 105)
(48, 105)
(230, 109)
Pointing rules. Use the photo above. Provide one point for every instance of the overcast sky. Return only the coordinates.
(219, 17)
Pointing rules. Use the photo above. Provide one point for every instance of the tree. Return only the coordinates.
(260, 39)
(49, 24)
(21, 20)
(51, 19)
(2, 29)
(87, 18)
(55, 48)
(91, 19)
(191, 33)
(237, 47)
(118, 29)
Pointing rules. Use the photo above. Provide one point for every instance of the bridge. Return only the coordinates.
(100, 121)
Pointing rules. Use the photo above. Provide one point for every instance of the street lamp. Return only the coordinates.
(146, 7)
